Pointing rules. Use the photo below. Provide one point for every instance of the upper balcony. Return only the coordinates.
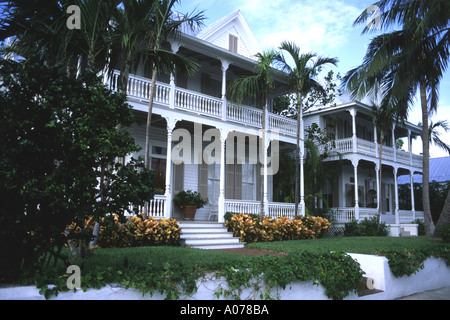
(343, 147)
(356, 136)
(169, 96)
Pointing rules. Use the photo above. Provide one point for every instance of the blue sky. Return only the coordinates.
(321, 26)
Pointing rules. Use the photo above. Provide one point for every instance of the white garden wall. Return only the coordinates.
(435, 275)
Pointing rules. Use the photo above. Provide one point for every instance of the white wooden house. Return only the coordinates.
(201, 141)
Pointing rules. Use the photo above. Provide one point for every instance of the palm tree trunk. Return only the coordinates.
(261, 213)
(297, 162)
(149, 118)
(380, 174)
(444, 219)
(429, 225)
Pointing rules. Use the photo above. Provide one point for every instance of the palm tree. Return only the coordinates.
(435, 137)
(131, 24)
(405, 61)
(302, 79)
(383, 116)
(260, 85)
(166, 25)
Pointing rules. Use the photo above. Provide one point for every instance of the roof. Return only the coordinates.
(439, 171)
(234, 23)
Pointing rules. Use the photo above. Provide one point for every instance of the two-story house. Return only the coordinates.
(357, 192)
(202, 141)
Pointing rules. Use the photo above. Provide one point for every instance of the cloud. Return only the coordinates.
(314, 25)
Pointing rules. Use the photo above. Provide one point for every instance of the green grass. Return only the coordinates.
(140, 257)
(157, 256)
(364, 245)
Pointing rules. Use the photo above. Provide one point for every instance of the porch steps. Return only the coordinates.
(207, 235)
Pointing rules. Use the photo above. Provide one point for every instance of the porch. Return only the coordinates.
(341, 147)
(340, 216)
(171, 97)
(345, 215)
(156, 208)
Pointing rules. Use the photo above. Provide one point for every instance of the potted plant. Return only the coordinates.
(189, 201)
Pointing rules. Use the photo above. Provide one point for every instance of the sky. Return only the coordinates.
(321, 26)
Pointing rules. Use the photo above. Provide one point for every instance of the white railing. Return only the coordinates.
(283, 124)
(197, 102)
(244, 115)
(343, 215)
(407, 216)
(276, 209)
(281, 209)
(344, 146)
(242, 206)
(155, 208)
(139, 88)
(367, 213)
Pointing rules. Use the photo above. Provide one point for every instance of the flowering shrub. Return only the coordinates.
(250, 229)
(137, 231)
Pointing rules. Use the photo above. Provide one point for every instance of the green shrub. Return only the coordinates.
(367, 227)
(250, 229)
(421, 227)
(136, 232)
(444, 232)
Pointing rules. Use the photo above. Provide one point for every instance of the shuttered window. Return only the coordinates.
(233, 43)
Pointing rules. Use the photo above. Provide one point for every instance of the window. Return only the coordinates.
(248, 181)
(233, 43)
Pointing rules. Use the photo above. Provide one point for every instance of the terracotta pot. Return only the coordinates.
(189, 212)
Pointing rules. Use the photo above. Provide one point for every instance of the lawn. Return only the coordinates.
(175, 269)
(158, 256)
(364, 245)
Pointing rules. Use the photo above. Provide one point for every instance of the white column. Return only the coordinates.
(354, 138)
(397, 217)
(225, 66)
(413, 206)
(410, 147)
(169, 165)
(394, 145)
(223, 138)
(355, 169)
(172, 96)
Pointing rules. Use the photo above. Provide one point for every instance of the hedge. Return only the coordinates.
(250, 229)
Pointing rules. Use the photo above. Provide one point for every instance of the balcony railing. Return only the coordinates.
(369, 148)
(201, 104)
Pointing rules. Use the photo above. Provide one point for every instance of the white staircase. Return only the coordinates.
(207, 235)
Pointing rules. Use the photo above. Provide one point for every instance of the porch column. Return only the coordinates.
(171, 122)
(355, 141)
(175, 46)
(397, 217)
(223, 138)
(225, 66)
(394, 145)
(355, 168)
(413, 206)
(377, 173)
(410, 146)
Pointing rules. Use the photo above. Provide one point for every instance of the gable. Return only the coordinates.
(221, 34)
